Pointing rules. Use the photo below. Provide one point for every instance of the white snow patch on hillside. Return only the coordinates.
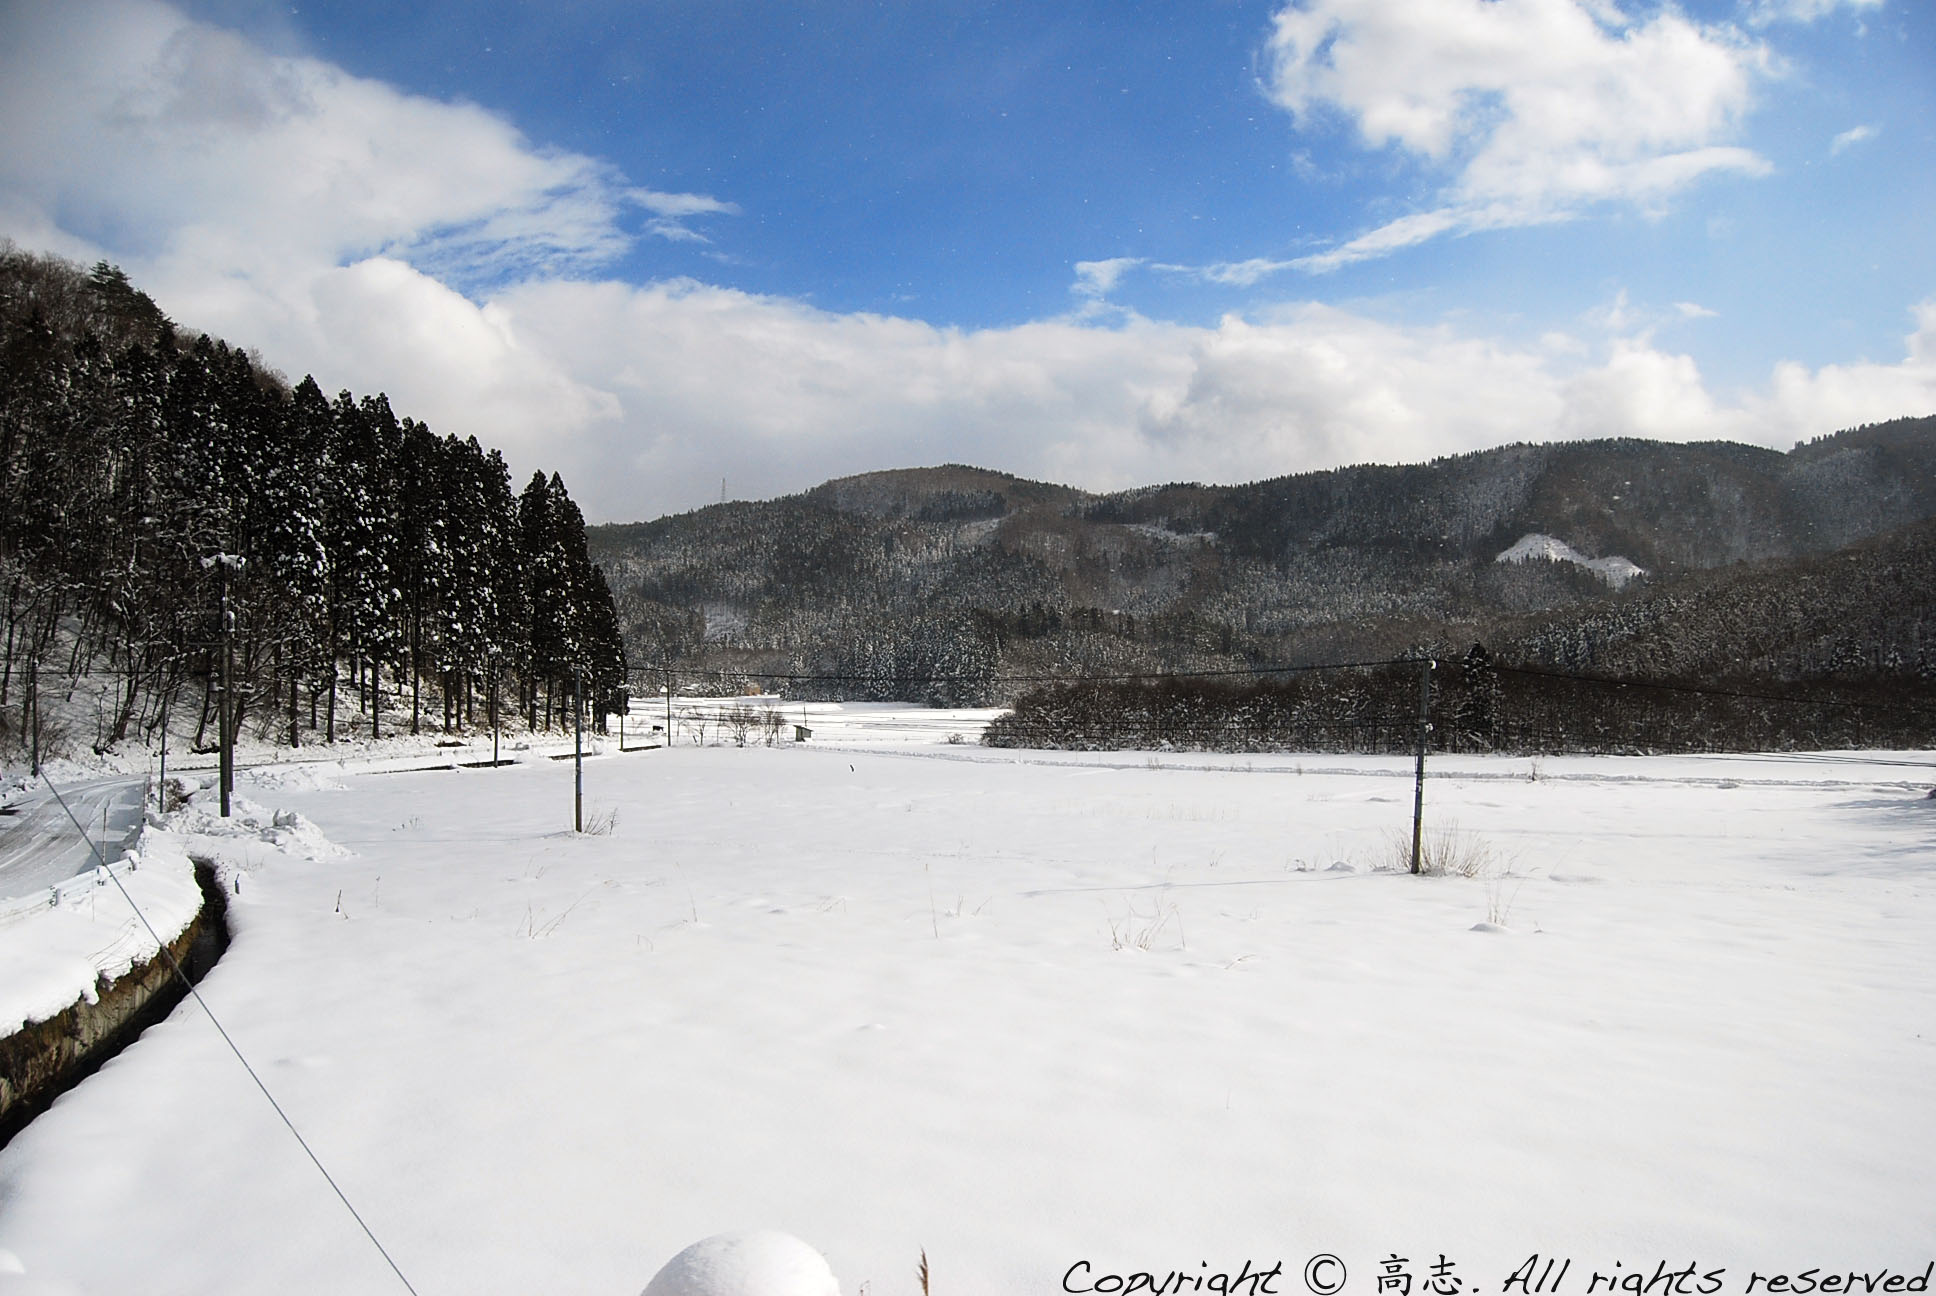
(1615, 571)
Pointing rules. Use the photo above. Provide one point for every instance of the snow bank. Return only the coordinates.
(52, 955)
(251, 823)
(316, 776)
(55, 952)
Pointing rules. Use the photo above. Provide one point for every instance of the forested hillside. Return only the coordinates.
(1865, 612)
(882, 581)
(157, 488)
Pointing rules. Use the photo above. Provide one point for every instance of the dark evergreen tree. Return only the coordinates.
(1477, 701)
(295, 556)
(546, 597)
(364, 533)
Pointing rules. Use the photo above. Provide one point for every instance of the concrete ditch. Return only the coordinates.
(44, 1059)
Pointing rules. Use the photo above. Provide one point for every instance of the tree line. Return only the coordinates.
(166, 498)
(1468, 703)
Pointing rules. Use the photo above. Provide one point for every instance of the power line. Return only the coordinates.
(902, 678)
(182, 975)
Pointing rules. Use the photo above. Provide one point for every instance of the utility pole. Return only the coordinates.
(161, 787)
(668, 700)
(33, 699)
(578, 748)
(1426, 668)
(224, 563)
(224, 717)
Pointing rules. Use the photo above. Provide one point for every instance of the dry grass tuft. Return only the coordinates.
(1446, 852)
(1135, 930)
(1499, 901)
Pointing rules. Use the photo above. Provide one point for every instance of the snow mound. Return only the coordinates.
(286, 830)
(294, 778)
(1615, 571)
(762, 1262)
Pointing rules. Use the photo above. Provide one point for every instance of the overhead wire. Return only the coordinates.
(899, 678)
(175, 965)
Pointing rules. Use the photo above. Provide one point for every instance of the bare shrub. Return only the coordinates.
(739, 720)
(1446, 852)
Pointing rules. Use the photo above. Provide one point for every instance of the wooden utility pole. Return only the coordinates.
(225, 714)
(1426, 668)
(33, 703)
(578, 748)
(494, 688)
(161, 788)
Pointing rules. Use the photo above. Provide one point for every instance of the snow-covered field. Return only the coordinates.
(1028, 1011)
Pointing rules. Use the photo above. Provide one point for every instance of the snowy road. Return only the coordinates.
(39, 846)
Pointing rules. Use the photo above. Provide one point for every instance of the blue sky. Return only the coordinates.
(657, 245)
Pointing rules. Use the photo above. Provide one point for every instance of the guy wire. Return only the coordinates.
(175, 964)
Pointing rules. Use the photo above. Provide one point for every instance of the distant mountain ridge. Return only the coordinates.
(895, 573)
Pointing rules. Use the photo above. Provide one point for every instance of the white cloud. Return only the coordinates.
(317, 216)
(671, 212)
(1616, 317)
(1535, 109)
(324, 219)
(1849, 138)
(1763, 12)
(1407, 231)
(1639, 387)
(1803, 402)
(789, 395)
(1231, 274)
(1620, 318)
(1097, 279)
(778, 396)
(443, 359)
(187, 148)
